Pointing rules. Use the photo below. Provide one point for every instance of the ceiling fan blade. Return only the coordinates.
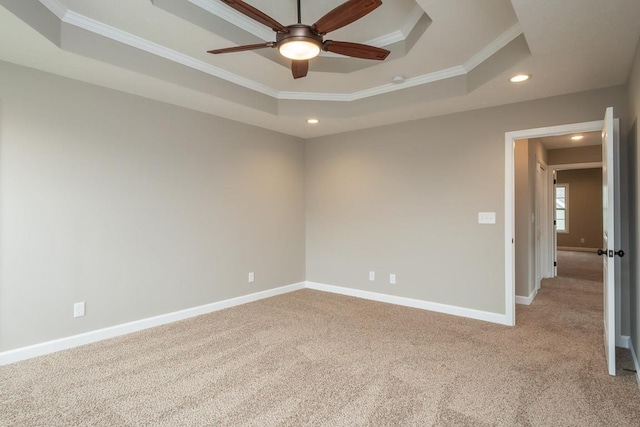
(355, 50)
(242, 48)
(299, 68)
(257, 15)
(345, 14)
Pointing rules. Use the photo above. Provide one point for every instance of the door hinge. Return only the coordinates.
(554, 222)
(555, 263)
(555, 181)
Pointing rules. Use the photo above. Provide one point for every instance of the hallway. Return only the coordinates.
(580, 265)
(573, 302)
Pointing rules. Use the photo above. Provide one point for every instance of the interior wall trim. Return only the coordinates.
(41, 349)
(623, 341)
(235, 18)
(411, 302)
(527, 300)
(635, 361)
(73, 18)
(374, 91)
(56, 8)
(577, 249)
(572, 166)
(100, 28)
(492, 48)
(23, 353)
(510, 139)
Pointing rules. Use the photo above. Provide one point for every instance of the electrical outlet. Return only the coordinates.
(372, 276)
(78, 309)
(392, 279)
(252, 277)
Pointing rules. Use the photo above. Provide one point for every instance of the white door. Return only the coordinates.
(609, 212)
(554, 243)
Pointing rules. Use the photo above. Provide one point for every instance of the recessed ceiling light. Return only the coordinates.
(518, 78)
(313, 121)
(577, 137)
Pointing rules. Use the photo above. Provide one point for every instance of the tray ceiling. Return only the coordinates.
(454, 56)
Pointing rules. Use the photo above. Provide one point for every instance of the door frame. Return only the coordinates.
(542, 220)
(509, 199)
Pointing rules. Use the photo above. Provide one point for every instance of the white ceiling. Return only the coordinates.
(456, 55)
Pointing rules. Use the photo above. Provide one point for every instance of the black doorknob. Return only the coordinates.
(601, 252)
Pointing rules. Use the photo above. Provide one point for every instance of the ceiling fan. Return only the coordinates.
(300, 42)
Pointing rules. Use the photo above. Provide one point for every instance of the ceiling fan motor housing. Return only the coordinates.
(299, 32)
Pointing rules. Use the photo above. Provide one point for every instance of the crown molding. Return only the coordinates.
(374, 91)
(73, 18)
(402, 33)
(414, 16)
(382, 41)
(235, 18)
(249, 25)
(387, 39)
(102, 29)
(492, 48)
(56, 8)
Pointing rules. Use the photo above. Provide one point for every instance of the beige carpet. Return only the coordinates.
(580, 265)
(313, 358)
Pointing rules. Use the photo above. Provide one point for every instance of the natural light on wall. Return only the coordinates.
(562, 219)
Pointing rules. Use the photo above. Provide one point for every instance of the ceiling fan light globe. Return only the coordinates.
(299, 50)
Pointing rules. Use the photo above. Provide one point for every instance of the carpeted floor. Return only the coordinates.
(580, 265)
(313, 358)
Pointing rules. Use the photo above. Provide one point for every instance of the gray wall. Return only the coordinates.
(588, 154)
(585, 208)
(138, 208)
(631, 127)
(526, 156)
(404, 199)
(141, 208)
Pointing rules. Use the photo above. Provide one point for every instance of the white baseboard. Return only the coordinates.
(526, 300)
(568, 248)
(16, 355)
(635, 362)
(623, 341)
(415, 303)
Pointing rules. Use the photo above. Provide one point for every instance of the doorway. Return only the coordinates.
(545, 248)
(539, 205)
(578, 207)
(612, 222)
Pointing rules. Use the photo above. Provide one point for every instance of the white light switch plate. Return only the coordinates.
(252, 277)
(372, 276)
(486, 217)
(78, 309)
